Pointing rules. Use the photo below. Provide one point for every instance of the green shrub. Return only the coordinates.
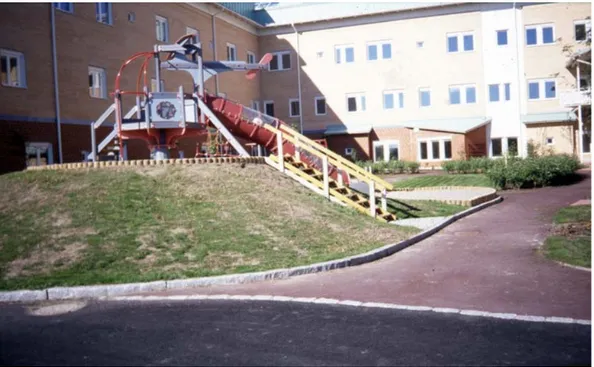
(412, 167)
(449, 166)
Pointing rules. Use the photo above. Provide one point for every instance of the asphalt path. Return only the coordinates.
(240, 333)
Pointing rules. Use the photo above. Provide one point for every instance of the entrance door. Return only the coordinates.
(385, 150)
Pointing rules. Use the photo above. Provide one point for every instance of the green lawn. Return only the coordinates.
(445, 180)
(129, 224)
(571, 241)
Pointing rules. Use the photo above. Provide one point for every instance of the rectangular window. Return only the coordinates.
(38, 154)
(542, 89)
(12, 69)
(269, 108)
(374, 48)
(502, 37)
(471, 94)
(493, 92)
(462, 94)
(388, 101)
(280, 61)
(355, 102)
(294, 108)
(393, 99)
(507, 91)
(512, 146)
(541, 34)
(251, 58)
(154, 85)
(424, 97)
(162, 28)
(447, 149)
(496, 149)
(195, 32)
(97, 82)
(344, 54)
(320, 106)
(454, 95)
(65, 7)
(386, 51)
(581, 29)
(103, 13)
(424, 150)
(371, 52)
(435, 149)
(231, 52)
(454, 40)
(255, 105)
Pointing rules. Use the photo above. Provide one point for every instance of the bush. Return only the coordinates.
(412, 167)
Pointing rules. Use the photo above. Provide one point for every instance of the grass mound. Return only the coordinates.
(139, 224)
(571, 240)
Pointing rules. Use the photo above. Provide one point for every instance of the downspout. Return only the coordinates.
(524, 144)
(299, 80)
(214, 49)
(580, 122)
(56, 89)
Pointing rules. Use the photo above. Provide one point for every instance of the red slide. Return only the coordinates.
(244, 122)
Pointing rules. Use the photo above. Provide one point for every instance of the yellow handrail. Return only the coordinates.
(334, 158)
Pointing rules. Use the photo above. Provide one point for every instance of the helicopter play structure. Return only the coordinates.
(162, 118)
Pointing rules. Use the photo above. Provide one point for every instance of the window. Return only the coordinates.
(507, 88)
(424, 97)
(458, 97)
(512, 146)
(454, 39)
(542, 34)
(420, 44)
(251, 58)
(375, 48)
(581, 30)
(103, 13)
(154, 85)
(231, 52)
(393, 99)
(280, 61)
(131, 17)
(195, 32)
(162, 28)
(12, 69)
(65, 7)
(542, 89)
(320, 54)
(502, 37)
(584, 85)
(269, 108)
(493, 92)
(385, 150)
(97, 84)
(255, 105)
(344, 54)
(355, 102)
(435, 149)
(550, 141)
(348, 151)
(293, 107)
(320, 106)
(496, 148)
(39, 154)
(586, 141)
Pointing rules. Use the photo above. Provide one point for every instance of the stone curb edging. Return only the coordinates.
(148, 162)
(112, 290)
(330, 301)
(476, 200)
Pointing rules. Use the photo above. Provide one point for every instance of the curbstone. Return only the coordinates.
(92, 291)
(23, 296)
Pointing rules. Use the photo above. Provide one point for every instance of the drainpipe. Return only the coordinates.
(214, 48)
(580, 122)
(299, 80)
(524, 144)
(56, 89)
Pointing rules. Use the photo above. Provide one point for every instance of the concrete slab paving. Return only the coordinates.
(422, 223)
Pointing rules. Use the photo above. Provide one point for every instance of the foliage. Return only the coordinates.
(391, 167)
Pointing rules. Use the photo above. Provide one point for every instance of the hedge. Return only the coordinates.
(390, 167)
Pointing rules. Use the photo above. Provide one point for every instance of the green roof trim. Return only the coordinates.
(560, 116)
(340, 129)
(451, 125)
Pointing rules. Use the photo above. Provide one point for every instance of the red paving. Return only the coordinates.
(487, 261)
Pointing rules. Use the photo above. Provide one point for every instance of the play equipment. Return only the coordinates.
(162, 118)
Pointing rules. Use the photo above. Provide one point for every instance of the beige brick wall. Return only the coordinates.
(564, 137)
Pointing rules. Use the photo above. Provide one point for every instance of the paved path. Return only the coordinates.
(422, 223)
(440, 195)
(232, 333)
(487, 261)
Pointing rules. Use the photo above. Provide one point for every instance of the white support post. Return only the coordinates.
(371, 198)
(279, 147)
(297, 153)
(326, 178)
(580, 121)
(384, 200)
(259, 150)
(340, 181)
(93, 143)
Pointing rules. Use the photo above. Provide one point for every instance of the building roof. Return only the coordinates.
(340, 129)
(276, 14)
(559, 116)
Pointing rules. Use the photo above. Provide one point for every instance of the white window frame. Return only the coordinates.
(504, 145)
(266, 103)
(541, 89)
(463, 89)
(506, 37)
(109, 14)
(162, 24)
(279, 58)
(396, 96)
(102, 77)
(71, 11)
(195, 32)
(231, 56)
(424, 89)
(316, 99)
(552, 141)
(21, 68)
(348, 151)
(342, 49)
(154, 82)
(380, 54)
(252, 56)
(291, 100)
(585, 22)
(255, 105)
(386, 144)
(539, 34)
(358, 100)
(501, 89)
(460, 41)
(429, 141)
